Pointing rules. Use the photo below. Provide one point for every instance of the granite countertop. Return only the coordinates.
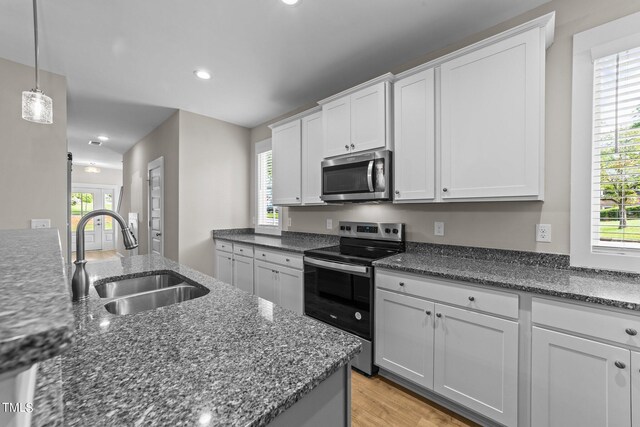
(544, 274)
(36, 322)
(289, 241)
(227, 358)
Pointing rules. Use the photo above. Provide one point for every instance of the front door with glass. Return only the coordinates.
(99, 232)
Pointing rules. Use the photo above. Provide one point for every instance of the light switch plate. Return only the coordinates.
(543, 233)
(329, 224)
(40, 223)
(438, 228)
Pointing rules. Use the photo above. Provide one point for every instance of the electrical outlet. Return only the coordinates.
(289, 222)
(438, 228)
(40, 223)
(329, 224)
(543, 233)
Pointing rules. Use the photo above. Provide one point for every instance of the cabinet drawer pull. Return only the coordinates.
(287, 259)
(620, 365)
(438, 314)
(353, 146)
(264, 254)
(444, 190)
(428, 313)
(472, 299)
(346, 147)
(631, 331)
(401, 283)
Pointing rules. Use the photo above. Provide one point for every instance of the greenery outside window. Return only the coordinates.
(267, 216)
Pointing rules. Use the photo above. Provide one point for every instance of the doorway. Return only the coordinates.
(155, 171)
(100, 233)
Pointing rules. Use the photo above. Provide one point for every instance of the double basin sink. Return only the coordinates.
(137, 294)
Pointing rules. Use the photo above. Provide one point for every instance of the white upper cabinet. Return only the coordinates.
(414, 142)
(311, 159)
(286, 163)
(492, 120)
(358, 119)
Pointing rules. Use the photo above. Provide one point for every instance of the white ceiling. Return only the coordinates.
(129, 64)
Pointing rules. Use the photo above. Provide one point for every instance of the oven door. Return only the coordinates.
(357, 178)
(339, 294)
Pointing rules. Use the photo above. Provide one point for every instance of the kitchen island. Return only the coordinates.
(226, 358)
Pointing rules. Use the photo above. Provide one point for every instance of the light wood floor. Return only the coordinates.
(379, 402)
(97, 255)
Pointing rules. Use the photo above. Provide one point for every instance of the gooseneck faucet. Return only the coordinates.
(80, 280)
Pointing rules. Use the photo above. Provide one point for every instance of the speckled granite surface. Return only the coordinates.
(522, 271)
(289, 241)
(36, 322)
(48, 408)
(228, 356)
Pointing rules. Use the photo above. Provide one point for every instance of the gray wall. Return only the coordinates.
(508, 225)
(162, 141)
(214, 184)
(33, 159)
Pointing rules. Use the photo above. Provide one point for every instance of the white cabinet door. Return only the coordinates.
(492, 107)
(286, 140)
(243, 273)
(575, 382)
(336, 123)
(368, 118)
(224, 267)
(404, 336)
(311, 159)
(476, 362)
(414, 143)
(635, 389)
(265, 281)
(290, 289)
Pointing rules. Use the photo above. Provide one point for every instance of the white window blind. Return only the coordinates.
(267, 213)
(615, 207)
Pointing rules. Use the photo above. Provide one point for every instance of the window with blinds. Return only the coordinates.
(615, 206)
(267, 213)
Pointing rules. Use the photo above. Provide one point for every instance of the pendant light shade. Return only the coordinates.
(36, 106)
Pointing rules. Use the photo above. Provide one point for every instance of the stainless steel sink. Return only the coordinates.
(154, 299)
(136, 285)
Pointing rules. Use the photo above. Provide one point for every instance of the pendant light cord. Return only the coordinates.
(35, 33)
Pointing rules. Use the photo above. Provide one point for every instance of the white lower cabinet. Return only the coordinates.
(224, 267)
(280, 285)
(468, 357)
(635, 389)
(476, 362)
(404, 336)
(579, 382)
(243, 273)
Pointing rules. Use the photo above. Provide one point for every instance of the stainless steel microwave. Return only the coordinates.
(357, 177)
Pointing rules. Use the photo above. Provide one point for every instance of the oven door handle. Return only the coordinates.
(345, 268)
(370, 176)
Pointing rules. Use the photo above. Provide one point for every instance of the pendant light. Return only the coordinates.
(36, 106)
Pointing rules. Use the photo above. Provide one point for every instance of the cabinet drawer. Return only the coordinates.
(472, 297)
(599, 323)
(283, 258)
(224, 246)
(244, 250)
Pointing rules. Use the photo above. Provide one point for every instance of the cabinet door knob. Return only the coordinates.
(297, 198)
(264, 254)
(397, 192)
(631, 331)
(444, 190)
(287, 259)
(472, 298)
(428, 313)
(401, 283)
(353, 146)
(620, 364)
(438, 314)
(346, 147)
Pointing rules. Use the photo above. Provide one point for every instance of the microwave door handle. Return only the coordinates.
(370, 176)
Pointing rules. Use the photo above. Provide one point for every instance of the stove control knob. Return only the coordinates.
(395, 231)
(348, 228)
(358, 315)
(387, 230)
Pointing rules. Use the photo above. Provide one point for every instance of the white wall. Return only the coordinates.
(106, 176)
(214, 184)
(33, 157)
(507, 225)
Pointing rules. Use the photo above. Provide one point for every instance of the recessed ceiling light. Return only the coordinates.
(92, 169)
(202, 74)
(103, 138)
(96, 143)
(290, 2)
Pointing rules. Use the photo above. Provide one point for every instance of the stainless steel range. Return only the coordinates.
(339, 281)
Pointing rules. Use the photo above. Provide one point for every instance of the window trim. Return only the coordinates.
(604, 40)
(261, 147)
